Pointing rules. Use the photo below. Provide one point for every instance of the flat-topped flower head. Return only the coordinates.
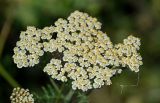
(128, 54)
(88, 57)
(28, 49)
(20, 95)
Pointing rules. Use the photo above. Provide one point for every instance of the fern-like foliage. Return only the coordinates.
(62, 93)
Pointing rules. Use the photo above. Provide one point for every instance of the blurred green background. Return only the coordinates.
(119, 18)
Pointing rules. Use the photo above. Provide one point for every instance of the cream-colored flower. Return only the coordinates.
(28, 48)
(20, 95)
(127, 53)
(88, 57)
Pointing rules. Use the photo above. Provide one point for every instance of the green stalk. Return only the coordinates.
(69, 95)
(8, 78)
(55, 86)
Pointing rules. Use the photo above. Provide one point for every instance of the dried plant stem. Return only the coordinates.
(4, 34)
(3, 37)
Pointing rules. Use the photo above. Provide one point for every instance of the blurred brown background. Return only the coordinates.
(120, 18)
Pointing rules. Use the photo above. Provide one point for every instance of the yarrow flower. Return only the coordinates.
(28, 49)
(89, 59)
(20, 95)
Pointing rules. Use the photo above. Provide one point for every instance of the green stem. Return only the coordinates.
(8, 78)
(55, 86)
(69, 95)
(60, 95)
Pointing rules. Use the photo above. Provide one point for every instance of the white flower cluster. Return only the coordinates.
(20, 95)
(88, 56)
(128, 54)
(28, 49)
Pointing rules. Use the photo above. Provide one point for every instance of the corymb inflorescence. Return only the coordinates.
(20, 95)
(88, 57)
